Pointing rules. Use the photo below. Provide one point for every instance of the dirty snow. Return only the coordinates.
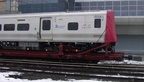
(122, 62)
(4, 77)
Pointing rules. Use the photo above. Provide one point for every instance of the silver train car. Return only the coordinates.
(78, 31)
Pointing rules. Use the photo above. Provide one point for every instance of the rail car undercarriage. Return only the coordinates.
(68, 51)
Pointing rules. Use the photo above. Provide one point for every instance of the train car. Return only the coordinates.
(65, 32)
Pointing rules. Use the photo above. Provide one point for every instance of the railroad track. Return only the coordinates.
(130, 72)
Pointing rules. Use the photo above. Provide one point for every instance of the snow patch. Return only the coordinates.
(122, 62)
(4, 77)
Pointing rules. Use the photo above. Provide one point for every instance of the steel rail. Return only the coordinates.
(118, 71)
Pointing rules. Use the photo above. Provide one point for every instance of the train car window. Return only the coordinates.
(73, 26)
(9, 27)
(0, 27)
(46, 25)
(23, 27)
(97, 23)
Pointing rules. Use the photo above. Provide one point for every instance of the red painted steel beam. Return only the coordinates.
(101, 46)
(71, 56)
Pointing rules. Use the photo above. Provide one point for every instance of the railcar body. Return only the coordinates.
(61, 35)
(44, 31)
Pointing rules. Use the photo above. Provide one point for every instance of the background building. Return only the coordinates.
(8, 7)
(14, 5)
(31, 6)
(120, 7)
(2, 6)
(129, 16)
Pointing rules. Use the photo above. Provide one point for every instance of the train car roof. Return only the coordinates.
(51, 14)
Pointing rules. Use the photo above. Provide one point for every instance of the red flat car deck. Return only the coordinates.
(86, 55)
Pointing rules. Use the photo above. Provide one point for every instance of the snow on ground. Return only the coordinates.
(4, 77)
(122, 62)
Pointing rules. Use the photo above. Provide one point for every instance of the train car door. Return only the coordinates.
(46, 29)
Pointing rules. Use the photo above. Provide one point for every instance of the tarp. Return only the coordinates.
(110, 28)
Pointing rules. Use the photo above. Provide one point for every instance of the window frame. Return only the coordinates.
(9, 27)
(97, 23)
(116, 3)
(43, 25)
(71, 25)
(0, 27)
(140, 3)
(108, 3)
(133, 3)
(124, 3)
(21, 28)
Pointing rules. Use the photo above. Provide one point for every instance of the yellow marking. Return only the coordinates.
(8, 43)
